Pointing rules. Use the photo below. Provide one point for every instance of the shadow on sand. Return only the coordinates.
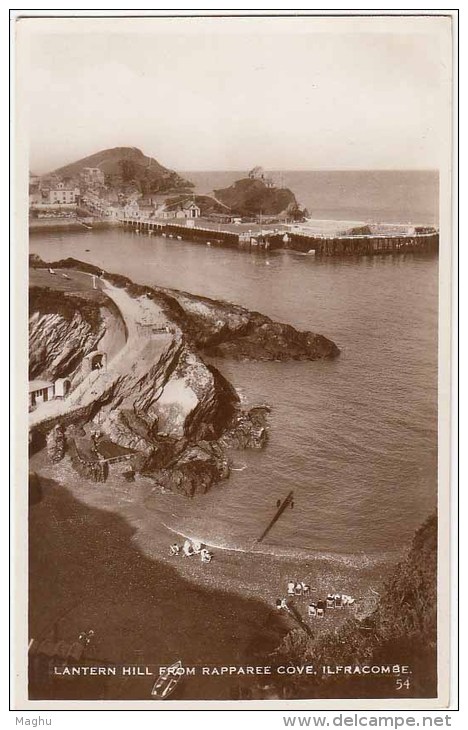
(86, 573)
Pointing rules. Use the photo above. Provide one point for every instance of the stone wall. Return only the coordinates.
(95, 470)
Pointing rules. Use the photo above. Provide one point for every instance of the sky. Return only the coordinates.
(206, 95)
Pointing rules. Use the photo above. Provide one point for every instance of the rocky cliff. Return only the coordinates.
(176, 396)
(170, 410)
(227, 330)
(62, 329)
(252, 197)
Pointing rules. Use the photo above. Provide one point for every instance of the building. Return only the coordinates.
(131, 209)
(35, 196)
(63, 195)
(40, 391)
(181, 209)
(190, 210)
(114, 211)
(62, 387)
(145, 210)
(258, 173)
(92, 176)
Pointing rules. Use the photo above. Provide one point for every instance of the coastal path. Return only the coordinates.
(146, 323)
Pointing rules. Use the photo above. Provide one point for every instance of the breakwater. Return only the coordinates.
(367, 245)
(426, 240)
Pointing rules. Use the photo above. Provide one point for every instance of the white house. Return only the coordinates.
(131, 209)
(40, 391)
(63, 195)
(186, 209)
(191, 210)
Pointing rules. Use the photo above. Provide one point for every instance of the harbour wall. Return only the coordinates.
(341, 245)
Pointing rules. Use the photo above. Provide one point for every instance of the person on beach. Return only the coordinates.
(188, 550)
(174, 549)
(196, 546)
(205, 556)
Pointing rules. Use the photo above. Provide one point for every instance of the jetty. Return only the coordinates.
(421, 239)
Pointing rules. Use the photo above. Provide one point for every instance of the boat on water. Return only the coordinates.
(167, 682)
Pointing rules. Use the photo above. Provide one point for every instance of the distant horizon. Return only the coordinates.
(50, 171)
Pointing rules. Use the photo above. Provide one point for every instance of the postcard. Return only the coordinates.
(232, 247)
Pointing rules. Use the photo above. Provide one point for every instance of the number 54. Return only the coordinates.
(400, 684)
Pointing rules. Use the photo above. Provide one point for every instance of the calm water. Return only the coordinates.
(356, 437)
(378, 196)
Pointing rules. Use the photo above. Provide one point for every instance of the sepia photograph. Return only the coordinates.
(237, 236)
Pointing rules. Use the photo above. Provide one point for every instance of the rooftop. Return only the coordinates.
(39, 385)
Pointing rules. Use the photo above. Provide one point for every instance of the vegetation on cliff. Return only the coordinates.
(401, 631)
(46, 300)
(128, 165)
(252, 197)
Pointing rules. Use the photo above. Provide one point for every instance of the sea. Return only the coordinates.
(355, 438)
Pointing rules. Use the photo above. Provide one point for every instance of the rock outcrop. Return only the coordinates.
(56, 444)
(174, 412)
(251, 197)
(248, 429)
(223, 329)
(195, 470)
(56, 346)
(176, 396)
(62, 329)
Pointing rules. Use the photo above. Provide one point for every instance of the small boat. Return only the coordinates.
(167, 682)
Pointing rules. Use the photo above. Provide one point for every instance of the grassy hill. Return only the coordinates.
(250, 197)
(123, 166)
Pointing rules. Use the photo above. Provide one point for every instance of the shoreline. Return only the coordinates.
(233, 584)
(237, 591)
(68, 226)
(356, 561)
